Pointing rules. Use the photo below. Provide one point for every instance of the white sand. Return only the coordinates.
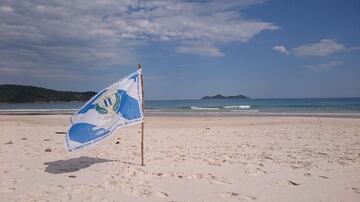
(187, 159)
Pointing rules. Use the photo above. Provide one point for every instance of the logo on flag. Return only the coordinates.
(116, 106)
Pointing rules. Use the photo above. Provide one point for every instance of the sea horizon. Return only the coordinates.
(255, 106)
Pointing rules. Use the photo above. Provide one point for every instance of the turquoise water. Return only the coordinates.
(318, 105)
(313, 105)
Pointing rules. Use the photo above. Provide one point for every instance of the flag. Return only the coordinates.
(116, 106)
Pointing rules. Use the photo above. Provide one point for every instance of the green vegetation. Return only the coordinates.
(28, 94)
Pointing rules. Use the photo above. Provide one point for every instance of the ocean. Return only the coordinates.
(307, 106)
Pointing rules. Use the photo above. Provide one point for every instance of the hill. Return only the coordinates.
(28, 94)
(225, 97)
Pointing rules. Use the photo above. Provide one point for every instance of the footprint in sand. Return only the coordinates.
(324, 177)
(8, 185)
(237, 195)
(255, 171)
(161, 194)
(293, 183)
(139, 191)
(232, 194)
(356, 190)
(213, 179)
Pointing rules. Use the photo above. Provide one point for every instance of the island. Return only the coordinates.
(218, 96)
(30, 94)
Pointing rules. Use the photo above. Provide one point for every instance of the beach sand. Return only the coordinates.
(187, 159)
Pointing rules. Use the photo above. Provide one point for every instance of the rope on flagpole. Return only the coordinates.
(142, 123)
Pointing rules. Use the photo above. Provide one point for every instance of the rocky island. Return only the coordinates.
(218, 96)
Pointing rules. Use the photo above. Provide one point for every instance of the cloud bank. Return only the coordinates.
(324, 47)
(54, 35)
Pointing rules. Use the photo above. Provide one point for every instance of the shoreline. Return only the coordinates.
(190, 113)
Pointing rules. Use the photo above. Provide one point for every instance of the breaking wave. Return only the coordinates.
(204, 108)
(238, 107)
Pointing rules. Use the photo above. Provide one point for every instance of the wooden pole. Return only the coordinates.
(142, 123)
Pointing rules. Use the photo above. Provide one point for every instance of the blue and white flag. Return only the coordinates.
(116, 106)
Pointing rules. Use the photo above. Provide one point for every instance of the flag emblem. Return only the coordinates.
(108, 104)
(116, 106)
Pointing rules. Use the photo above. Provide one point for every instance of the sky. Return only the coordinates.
(188, 49)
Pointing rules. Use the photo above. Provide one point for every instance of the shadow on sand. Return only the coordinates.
(72, 165)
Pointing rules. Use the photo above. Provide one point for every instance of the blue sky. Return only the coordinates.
(188, 49)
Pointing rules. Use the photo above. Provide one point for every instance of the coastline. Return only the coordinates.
(245, 114)
(159, 113)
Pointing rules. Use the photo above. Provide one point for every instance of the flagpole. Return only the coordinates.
(142, 123)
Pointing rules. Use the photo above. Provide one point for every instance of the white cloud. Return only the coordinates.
(322, 48)
(281, 49)
(200, 49)
(323, 66)
(100, 34)
(7, 9)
